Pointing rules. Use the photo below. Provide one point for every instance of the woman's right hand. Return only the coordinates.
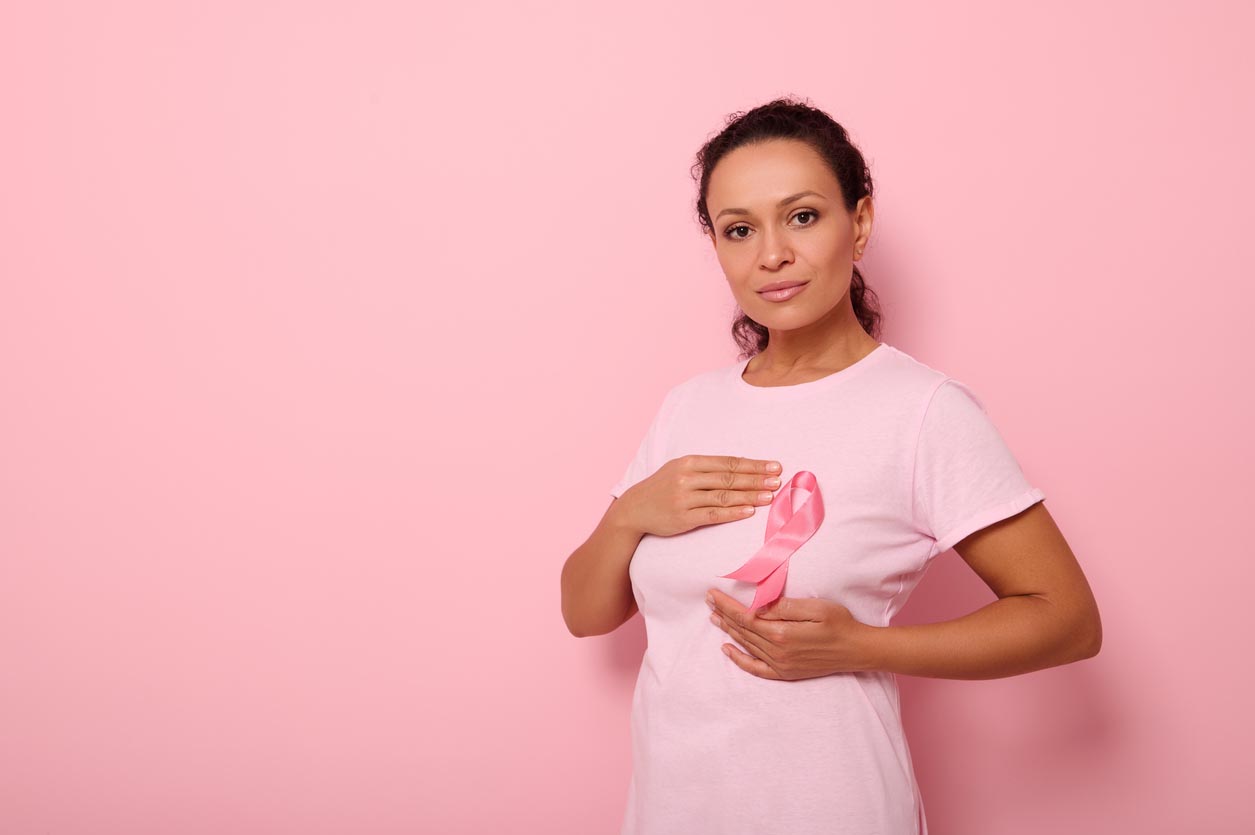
(695, 490)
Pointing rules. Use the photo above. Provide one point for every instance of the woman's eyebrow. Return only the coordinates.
(786, 201)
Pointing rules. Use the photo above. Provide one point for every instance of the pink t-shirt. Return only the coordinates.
(908, 463)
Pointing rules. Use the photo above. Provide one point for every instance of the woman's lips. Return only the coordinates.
(782, 295)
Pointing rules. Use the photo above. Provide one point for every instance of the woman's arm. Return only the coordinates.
(596, 589)
(684, 493)
(1045, 616)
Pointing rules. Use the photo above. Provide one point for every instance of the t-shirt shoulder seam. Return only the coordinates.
(917, 362)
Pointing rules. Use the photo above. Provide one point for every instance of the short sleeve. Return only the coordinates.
(650, 453)
(966, 477)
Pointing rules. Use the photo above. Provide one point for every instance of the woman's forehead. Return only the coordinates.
(769, 171)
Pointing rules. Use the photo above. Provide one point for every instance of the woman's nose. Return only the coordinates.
(776, 250)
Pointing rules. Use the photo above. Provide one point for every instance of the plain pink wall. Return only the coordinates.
(326, 328)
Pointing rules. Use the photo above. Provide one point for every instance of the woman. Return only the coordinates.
(783, 716)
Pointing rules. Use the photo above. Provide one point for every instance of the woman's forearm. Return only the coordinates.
(1010, 636)
(596, 587)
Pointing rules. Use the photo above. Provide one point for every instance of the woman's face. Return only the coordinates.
(778, 217)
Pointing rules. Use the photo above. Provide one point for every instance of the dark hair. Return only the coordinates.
(788, 118)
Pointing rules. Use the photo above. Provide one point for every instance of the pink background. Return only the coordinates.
(326, 328)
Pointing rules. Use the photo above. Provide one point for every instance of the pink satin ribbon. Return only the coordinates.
(787, 528)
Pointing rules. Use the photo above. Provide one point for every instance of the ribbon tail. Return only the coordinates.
(759, 566)
(771, 587)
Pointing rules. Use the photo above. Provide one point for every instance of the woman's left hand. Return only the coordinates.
(792, 638)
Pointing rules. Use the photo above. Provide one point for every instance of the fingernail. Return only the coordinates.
(773, 467)
(710, 600)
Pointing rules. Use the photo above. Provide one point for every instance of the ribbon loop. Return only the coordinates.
(787, 528)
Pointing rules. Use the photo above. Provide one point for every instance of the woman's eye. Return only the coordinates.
(730, 232)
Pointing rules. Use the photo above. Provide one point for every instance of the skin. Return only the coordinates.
(1045, 614)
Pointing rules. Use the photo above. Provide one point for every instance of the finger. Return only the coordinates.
(725, 604)
(731, 608)
(758, 645)
(727, 481)
(730, 472)
(793, 608)
(734, 464)
(747, 482)
(698, 516)
(749, 663)
(727, 489)
(720, 602)
(718, 496)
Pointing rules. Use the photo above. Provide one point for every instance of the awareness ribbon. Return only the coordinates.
(787, 528)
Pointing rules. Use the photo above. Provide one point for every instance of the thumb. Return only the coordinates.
(777, 609)
(792, 608)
